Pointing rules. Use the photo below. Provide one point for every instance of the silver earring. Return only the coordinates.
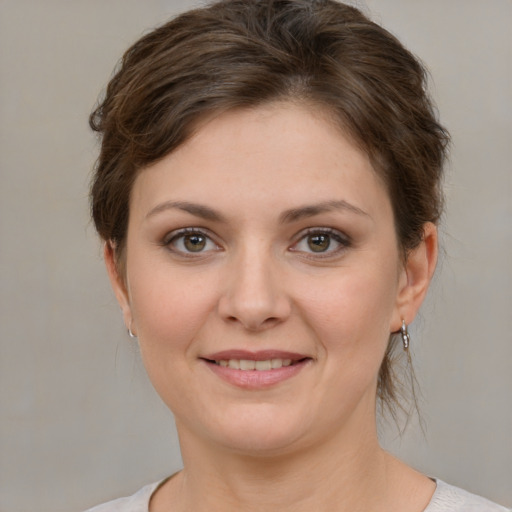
(130, 333)
(406, 338)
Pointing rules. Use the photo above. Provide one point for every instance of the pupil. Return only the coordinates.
(195, 243)
(319, 243)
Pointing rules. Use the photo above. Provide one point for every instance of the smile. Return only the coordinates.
(258, 370)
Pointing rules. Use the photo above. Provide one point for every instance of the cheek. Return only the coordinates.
(352, 311)
(169, 309)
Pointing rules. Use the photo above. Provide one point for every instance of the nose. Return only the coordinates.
(254, 294)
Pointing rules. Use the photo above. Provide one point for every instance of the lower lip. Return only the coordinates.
(257, 379)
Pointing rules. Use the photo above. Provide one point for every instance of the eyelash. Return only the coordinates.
(339, 238)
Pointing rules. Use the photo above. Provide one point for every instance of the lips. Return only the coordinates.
(253, 370)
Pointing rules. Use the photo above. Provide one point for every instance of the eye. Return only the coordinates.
(190, 241)
(321, 241)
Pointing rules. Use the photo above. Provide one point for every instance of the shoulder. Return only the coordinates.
(448, 498)
(139, 502)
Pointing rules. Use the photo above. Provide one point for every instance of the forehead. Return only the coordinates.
(275, 156)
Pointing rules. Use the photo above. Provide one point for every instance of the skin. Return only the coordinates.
(256, 283)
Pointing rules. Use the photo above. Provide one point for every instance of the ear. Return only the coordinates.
(118, 284)
(415, 278)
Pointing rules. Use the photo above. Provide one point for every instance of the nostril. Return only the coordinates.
(253, 325)
(254, 309)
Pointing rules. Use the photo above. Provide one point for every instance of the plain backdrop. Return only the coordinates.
(80, 423)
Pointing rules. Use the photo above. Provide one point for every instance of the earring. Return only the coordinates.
(406, 338)
(130, 333)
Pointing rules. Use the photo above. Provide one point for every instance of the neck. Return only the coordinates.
(343, 473)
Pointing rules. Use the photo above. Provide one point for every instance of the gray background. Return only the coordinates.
(79, 421)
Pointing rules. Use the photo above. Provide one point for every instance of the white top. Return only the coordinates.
(446, 498)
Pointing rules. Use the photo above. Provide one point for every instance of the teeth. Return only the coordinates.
(263, 365)
(247, 364)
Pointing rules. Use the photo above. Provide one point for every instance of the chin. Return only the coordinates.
(254, 430)
(256, 442)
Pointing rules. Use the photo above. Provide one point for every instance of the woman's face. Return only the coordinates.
(263, 280)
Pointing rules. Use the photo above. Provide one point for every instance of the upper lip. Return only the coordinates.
(260, 355)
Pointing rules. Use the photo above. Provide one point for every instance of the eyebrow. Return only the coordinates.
(195, 209)
(288, 216)
(296, 214)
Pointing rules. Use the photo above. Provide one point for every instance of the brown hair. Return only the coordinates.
(243, 53)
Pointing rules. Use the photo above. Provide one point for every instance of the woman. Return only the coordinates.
(268, 191)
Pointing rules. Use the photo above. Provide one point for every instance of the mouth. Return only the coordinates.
(254, 370)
